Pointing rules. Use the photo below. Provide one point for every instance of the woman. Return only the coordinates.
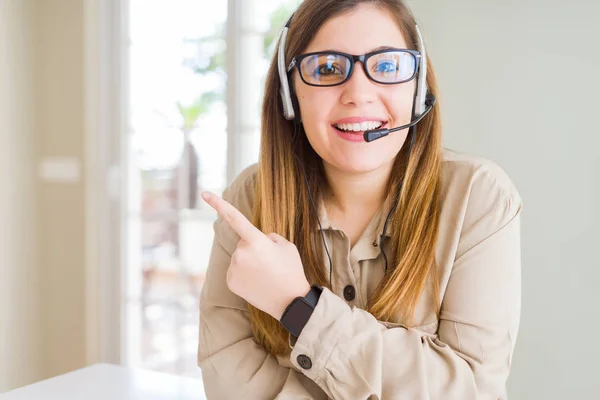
(349, 269)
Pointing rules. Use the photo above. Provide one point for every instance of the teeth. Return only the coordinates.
(359, 127)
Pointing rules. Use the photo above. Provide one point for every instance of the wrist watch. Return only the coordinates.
(298, 312)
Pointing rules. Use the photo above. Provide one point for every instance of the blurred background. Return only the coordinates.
(116, 114)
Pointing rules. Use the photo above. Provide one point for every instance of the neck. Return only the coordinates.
(351, 191)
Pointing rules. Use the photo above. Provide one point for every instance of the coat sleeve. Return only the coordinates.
(351, 355)
(233, 365)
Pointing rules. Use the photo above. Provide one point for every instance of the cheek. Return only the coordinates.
(315, 107)
(315, 103)
(400, 104)
(314, 122)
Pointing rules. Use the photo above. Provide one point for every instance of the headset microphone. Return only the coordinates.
(379, 133)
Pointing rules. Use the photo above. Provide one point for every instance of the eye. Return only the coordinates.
(386, 66)
(329, 69)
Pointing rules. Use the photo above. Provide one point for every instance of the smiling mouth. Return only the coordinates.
(359, 128)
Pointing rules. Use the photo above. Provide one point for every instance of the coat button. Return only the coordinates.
(349, 293)
(304, 361)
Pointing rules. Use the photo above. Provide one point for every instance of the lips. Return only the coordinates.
(358, 124)
(357, 120)
(354, 137)
(350, 129)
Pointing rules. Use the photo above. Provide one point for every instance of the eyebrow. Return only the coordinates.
(370, 51)
(382, 48)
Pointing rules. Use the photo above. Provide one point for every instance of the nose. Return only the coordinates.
(359, 89)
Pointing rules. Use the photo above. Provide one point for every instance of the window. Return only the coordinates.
(179, 144)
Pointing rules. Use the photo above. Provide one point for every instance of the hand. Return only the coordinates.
(265, 270)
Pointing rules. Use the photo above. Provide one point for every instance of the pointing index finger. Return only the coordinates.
(236, 220)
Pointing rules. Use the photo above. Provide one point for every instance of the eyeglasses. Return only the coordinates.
(331, 68)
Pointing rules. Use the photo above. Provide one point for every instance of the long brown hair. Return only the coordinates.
(282, 203)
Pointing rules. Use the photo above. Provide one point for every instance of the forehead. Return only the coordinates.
(358, 31)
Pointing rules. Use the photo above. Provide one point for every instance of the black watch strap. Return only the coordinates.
(312, 297)
(298, 312)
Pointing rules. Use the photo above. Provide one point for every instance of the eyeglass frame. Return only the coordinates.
(297, 61)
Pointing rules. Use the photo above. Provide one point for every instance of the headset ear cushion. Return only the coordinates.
(430, 100)
(285, 104)
(295, 105)
(286, 100)
(284, 91)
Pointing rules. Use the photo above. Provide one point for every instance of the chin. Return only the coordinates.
(357, 166)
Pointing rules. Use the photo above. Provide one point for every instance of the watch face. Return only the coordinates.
(297, 316)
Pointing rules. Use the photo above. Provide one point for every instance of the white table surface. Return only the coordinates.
(107, 381)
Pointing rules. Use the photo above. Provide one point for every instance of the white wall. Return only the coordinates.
(20, 350)
(42, 225)
(519, 82)
(60, 97)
